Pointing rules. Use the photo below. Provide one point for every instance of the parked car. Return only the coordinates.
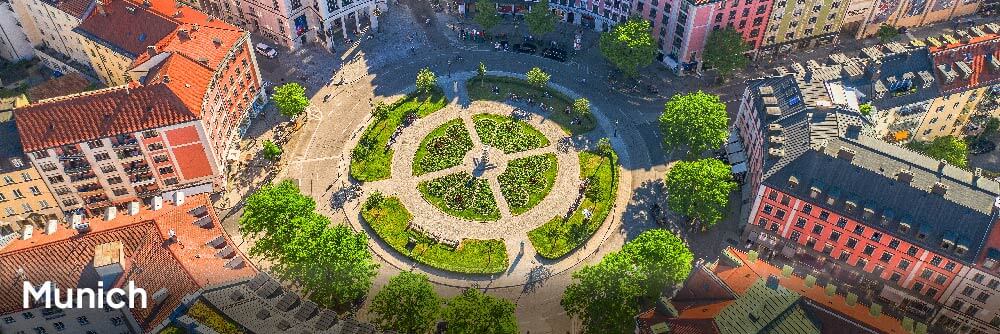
(982, 147)
(266, 50)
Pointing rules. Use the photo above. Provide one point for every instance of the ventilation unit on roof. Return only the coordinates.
(939, 188)
(949, 75)
(776, 152)
(964, 69)
(766, 90)
(774, 127)
(926, 79)
(905, 176)
(217, 41)
(776, 141)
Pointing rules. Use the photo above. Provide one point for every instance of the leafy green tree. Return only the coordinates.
(380, 111)
(886, 33)
(866, 109)
(604, 296)
(290, 99)
(426, 80)
(271, 151)
(318, 254)
(481, 73)
(700, 189)
(991, 128)
(474, 312)
(408, 304)
(582, 107)
(537, 77)
(486, 14)
(267, 217)
(629, 45)
(540, 20)
(949, 148)
(661, 258)
(604, 146)
(698, 120)
(725, 51)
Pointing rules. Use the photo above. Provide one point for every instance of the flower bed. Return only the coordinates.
(389, 219)
(527, 181)
(371, 160)
(508, 134)
(561, 235)
(462, 196)
(443, 148)
(482, 89)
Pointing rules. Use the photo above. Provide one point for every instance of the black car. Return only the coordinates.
(982, 147)
(526, 48)
(555, 54)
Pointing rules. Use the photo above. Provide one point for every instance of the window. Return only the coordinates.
(869, 249)
(926, 274)
(59, 326)
(940, 279)
(876, 236)
(34, 190)
(993, 284)
(949, 266)
(851, 243)
(834, 236)
(903, 264)
(795, 236)
(811, 243)
(807, 208)
(861, 263)
(780, 214)
(114, 180)
(842, 223)
(44, 204)
(817, 229)
(828, 249)
(167, 170)
(800, 223)
(912, 251)
(774, 194)
(968, 291)
(893, 243)
(102, 156)
(972, 310)
(978, 278)
(936, 261)
(8, 320)
(82, 320)
(824, 215)
(931, 292)
(8, 180)
(120, 191)
(173, 181)
(768, 209)
(785, 199)
(858, 229)
(28, 315)
(895, 277)
(107, 169)
(762, 222)
(18, 194)
(160, 158)
(155, 146)
(844, 256)
(918, 286)
(886, 257)
(25, 177)
(26, 207)
(95, 144)
(957, 304)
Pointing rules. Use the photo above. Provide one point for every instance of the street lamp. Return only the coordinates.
(449, 67)
(616, 128)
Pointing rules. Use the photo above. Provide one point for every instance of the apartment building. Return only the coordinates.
(864, 17)
(24, 198)
(14, 44)
(741, 293)
(340, 16)
(593, 14)
(118, 34)
(49, 26)
(289, 23)
(800, 24)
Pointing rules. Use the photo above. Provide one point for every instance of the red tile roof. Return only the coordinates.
(152, 262)
(127, 26)
(70, 83)
(118, 110)
(975, 53)
(76, 8)
(206, 39)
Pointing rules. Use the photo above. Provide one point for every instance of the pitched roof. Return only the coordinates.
(763, 309)
(203, 39)
(981, 55)
(152, 260)
(71, 83)
(870, 179)
(75, 8)
(126, 27)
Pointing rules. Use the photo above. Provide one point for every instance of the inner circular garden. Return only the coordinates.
(463, 187)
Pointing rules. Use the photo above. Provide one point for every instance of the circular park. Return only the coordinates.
(465, 175)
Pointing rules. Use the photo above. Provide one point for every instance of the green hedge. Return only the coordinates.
(527, 181)
(482, 89)
(371, 160)
(389, 219)
(508, 134)
(173, 330)
(207, 316)
(559, 236)
(443, 148)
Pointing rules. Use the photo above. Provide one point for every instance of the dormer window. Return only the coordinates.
(945, 244)
(904, 227)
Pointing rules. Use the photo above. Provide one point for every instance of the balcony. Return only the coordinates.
(88, 188)
(124, 142)
(147, 191)
(142, 179)
(82, 177)
(76, 167)
(129, 153)
(70, 156)
(136, 168)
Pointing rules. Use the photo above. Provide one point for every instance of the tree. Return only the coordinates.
(700, 189)
(537, 77)
(698, 120)
(408, 304)
(318, 254)
(661, 258)
(991, 128)
(268, 214)
(886, 33)
(604, 146)
(947, 148)
(629, 45)
(290, 99)
(540, 20)
(271, 151)
(426, 80)
(604, 296)
(486, 15)
(476, 312)
(866, 109)
(725, 51)
(581, 107)
(481, 72)
(380, 111)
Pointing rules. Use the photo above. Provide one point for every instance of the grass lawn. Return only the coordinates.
(461, 196)
(560, 235)
(508, 134)
(389, 219)
(443, 148)
(208, 316)
(482, 90)
(527, 181)
(173, 330)
(371, 160)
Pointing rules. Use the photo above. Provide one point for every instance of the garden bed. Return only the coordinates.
(561, 235)
(508, 134)
(443, 148)
(389, 219)
(371, 160)
(462, 196)
(209, 317)
(482, 89)
(527, 181)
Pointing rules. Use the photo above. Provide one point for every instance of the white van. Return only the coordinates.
(266, 50)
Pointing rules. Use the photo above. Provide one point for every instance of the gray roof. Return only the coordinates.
(963, 214)
(10, 145)
(263, 307)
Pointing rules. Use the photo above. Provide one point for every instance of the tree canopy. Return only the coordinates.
(267, 215)
(408, 304)
(700, 189)
(290, 99)
(271, 151)
(698, 120)
(886, 33)
(537, 77)
(662, 257)
(581, 107)
(486, 14)
(725, 50)
(949, 148)
(426, 80)
(540, 20)
(476, 312)
(629, 45)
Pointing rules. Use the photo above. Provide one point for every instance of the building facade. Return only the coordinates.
(14, 44)
(868, 15)
(596, 15)
(801, 24)
(49, 25)
(118, 33)
(340, 16)
(24, 198)
(288, 23)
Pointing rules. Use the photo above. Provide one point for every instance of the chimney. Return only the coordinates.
(76, 219)
(217, 41)
(179, 198)
(939, 188)
(27, 231)
(157, 203)
(941, 164)
(793, 182)
(772, 282)
(146, 3)
(109, 262)
(100, 8)
(905, 176)
(133, 208)
(151, 50)
(183, 33)
(51, 226)
(977, 174)
(110, 213)
(166, 78)
(846, 154)
(160, 295)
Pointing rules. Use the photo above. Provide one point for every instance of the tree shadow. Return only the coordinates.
(536, 278)
(645, 208)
